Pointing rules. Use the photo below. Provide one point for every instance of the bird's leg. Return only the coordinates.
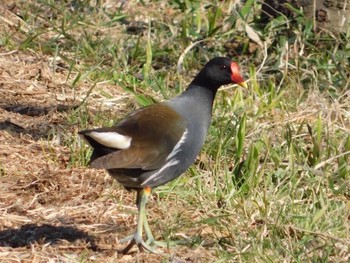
(139, 195)
(136, 238)
(150, 238)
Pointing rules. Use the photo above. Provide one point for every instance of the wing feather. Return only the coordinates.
(152, 139)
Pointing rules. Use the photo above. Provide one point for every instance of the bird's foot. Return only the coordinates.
(162, 244)
(136, 239)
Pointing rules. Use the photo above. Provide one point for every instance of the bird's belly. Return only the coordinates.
(127, 177)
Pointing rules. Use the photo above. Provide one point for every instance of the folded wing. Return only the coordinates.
(139, 141)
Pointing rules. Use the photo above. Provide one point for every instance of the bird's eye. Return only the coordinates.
(223, 67)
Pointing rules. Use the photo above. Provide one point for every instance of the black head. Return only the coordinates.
(217, 72)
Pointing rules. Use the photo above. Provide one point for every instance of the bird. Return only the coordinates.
(157, 143)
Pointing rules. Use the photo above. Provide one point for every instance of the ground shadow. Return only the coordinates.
(11, 127)
(32, 233)
(38, 131)
(36, 110)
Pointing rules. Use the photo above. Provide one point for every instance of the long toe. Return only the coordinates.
(128, 247)
(162, 244)
(126, 239)
(152, 249)
(136, 239)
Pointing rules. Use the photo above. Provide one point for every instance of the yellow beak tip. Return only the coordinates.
(243, 84)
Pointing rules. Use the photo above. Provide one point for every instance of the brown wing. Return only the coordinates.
(154, 132)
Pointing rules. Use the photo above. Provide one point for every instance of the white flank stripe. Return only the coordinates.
(111, 139)
(169, 162)
(178, 145)
(155, 175)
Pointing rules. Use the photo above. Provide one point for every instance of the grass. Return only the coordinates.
(272, 181)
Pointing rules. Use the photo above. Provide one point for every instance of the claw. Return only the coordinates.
(128, 247)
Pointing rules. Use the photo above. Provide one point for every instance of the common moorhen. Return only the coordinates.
(157, 143)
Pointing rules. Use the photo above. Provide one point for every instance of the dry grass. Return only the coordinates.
(54, 209)
(47, 207)
(49, 210)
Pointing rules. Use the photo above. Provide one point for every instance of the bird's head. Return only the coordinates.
(219, 71)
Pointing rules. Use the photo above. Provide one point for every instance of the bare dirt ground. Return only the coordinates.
(50, 211)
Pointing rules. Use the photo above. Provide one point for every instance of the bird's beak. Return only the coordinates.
(243, 84)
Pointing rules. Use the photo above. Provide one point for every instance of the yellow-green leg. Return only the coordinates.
(136, 238)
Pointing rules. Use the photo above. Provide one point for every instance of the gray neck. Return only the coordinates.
(201, 97)
(195, 104)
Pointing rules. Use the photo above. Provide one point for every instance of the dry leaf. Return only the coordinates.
(253, 35)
